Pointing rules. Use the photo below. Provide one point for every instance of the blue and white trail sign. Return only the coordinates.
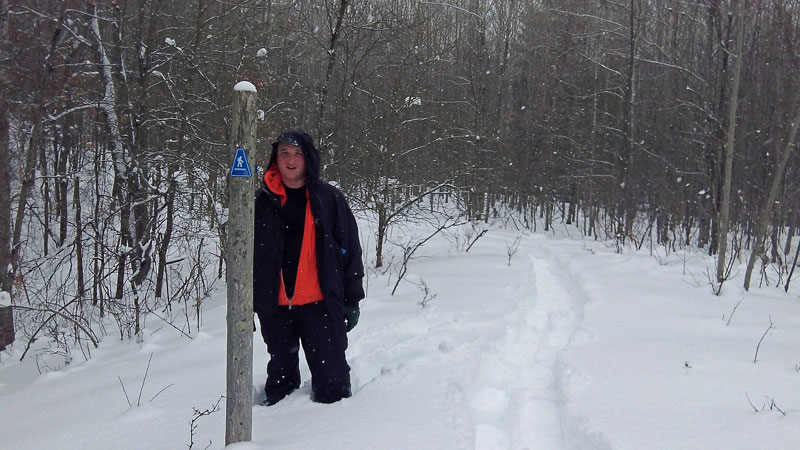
(240, 167)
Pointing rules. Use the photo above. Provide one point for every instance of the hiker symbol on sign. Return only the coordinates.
(240, 167)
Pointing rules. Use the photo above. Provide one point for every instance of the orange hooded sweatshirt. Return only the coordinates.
(307, 289)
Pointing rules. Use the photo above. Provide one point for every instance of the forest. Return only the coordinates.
(660, 123)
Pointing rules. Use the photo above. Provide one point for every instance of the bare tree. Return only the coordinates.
(724, 215)
(5, 155)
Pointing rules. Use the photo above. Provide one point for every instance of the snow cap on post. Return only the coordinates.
(245, 86)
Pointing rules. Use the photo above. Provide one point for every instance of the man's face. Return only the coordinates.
(292, 165)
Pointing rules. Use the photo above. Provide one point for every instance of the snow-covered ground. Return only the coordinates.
(572, 346)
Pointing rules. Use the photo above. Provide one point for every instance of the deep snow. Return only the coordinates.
(572, 346)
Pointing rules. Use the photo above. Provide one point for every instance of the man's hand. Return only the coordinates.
(351, 316)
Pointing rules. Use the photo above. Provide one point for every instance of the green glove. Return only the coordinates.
(351, 315)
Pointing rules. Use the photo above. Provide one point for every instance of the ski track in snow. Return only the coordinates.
(516, 389)
(516, 400)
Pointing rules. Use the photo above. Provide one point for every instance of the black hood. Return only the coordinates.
(303, 140)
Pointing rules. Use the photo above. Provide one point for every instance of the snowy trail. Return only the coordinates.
(517, 401)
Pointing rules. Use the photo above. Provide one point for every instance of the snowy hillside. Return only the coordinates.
(571, 346)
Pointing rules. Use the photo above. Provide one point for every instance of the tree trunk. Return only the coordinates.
(28, 179)
(98, 250)
(724, 213)
(627, 213)
(45, 177)
(164, 246)
(766, 211)
(62, 187)
(76, 199)
(5, 158)
(381, 235)
(791, 271)
(336, 31)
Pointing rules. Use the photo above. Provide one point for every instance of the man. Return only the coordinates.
(307, 272)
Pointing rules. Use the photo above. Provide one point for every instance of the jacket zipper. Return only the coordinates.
(277, 204)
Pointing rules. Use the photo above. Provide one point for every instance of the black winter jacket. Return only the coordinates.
(338, 248)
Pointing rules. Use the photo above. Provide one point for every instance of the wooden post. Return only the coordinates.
(239, 258)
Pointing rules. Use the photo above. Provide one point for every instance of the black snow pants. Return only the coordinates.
(324, 343)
